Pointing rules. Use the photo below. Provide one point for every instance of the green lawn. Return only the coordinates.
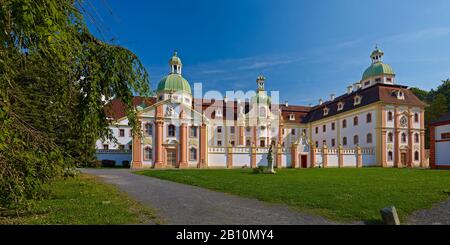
(342, 194)
(82, 200)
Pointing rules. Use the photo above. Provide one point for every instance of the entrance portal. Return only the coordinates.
(304, 161)
(403, 159)
(171, 158)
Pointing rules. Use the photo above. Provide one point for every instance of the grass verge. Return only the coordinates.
(342, 194)
(82, 200)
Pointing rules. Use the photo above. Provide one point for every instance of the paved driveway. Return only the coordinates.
(439, 214)
(185, 205)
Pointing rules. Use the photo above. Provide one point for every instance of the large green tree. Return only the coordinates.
(438, 101)
(55, 78)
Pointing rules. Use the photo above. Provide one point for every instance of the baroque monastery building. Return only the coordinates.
(375, 123)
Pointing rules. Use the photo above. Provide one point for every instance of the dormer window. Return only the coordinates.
(357, 100)
(325, 111)
(340, 106)
(218, 113)
(292, 117)
(399, 94)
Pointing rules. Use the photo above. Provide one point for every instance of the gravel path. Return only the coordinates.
(185, 205)
(439, 214)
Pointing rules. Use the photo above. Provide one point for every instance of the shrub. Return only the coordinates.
(126, 164)
(260, 170)
(108, 163)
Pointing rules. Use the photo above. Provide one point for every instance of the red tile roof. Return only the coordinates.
(303, 114)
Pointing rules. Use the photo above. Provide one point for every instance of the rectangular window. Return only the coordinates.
(193, 132)
(262, 143)
(324, 142)
(333, 142)
(219, 143)
(232, 130)
(130, 147)
(121, 147)
(105, 147)
(333, 126)
(317, 130)
(324, 128)
(121, 132)
(445, 136)
(232, 143)
(131, 132)
(293, 131)
(317, 143)
(219, 129)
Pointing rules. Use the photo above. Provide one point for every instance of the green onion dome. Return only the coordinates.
(378, 69)
(174, 83)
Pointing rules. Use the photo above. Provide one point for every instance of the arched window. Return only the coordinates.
(262, 111)
(171, 130)
(416, 156)
(355, 140)
(355, 121)
(149, 129)
(416, 117)
(390, 116)
(390, 156)
(369, 138)
(148, 153)
(344, 123)
(403, 138)
(390, 137)
(193, 154)
(369, 117)
(416, 138)
(248, 143)
(344, 141)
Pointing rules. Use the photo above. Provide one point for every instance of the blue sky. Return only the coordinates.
(306, 49)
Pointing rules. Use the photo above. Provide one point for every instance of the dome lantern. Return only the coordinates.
(175, 64)
(260, 82)
(376, 55)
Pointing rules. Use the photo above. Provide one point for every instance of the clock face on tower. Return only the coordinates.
(403, 121)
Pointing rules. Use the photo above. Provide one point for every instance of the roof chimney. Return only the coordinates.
(356, 86)
(225, 99)
(286, 103)
(332, 97)
(349, 89)
(320, 101)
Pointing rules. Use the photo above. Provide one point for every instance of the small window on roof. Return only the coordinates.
(219, 113)
(340, 106)
(357, 100)
(325, 111)
(399, 94)
(292, 117)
